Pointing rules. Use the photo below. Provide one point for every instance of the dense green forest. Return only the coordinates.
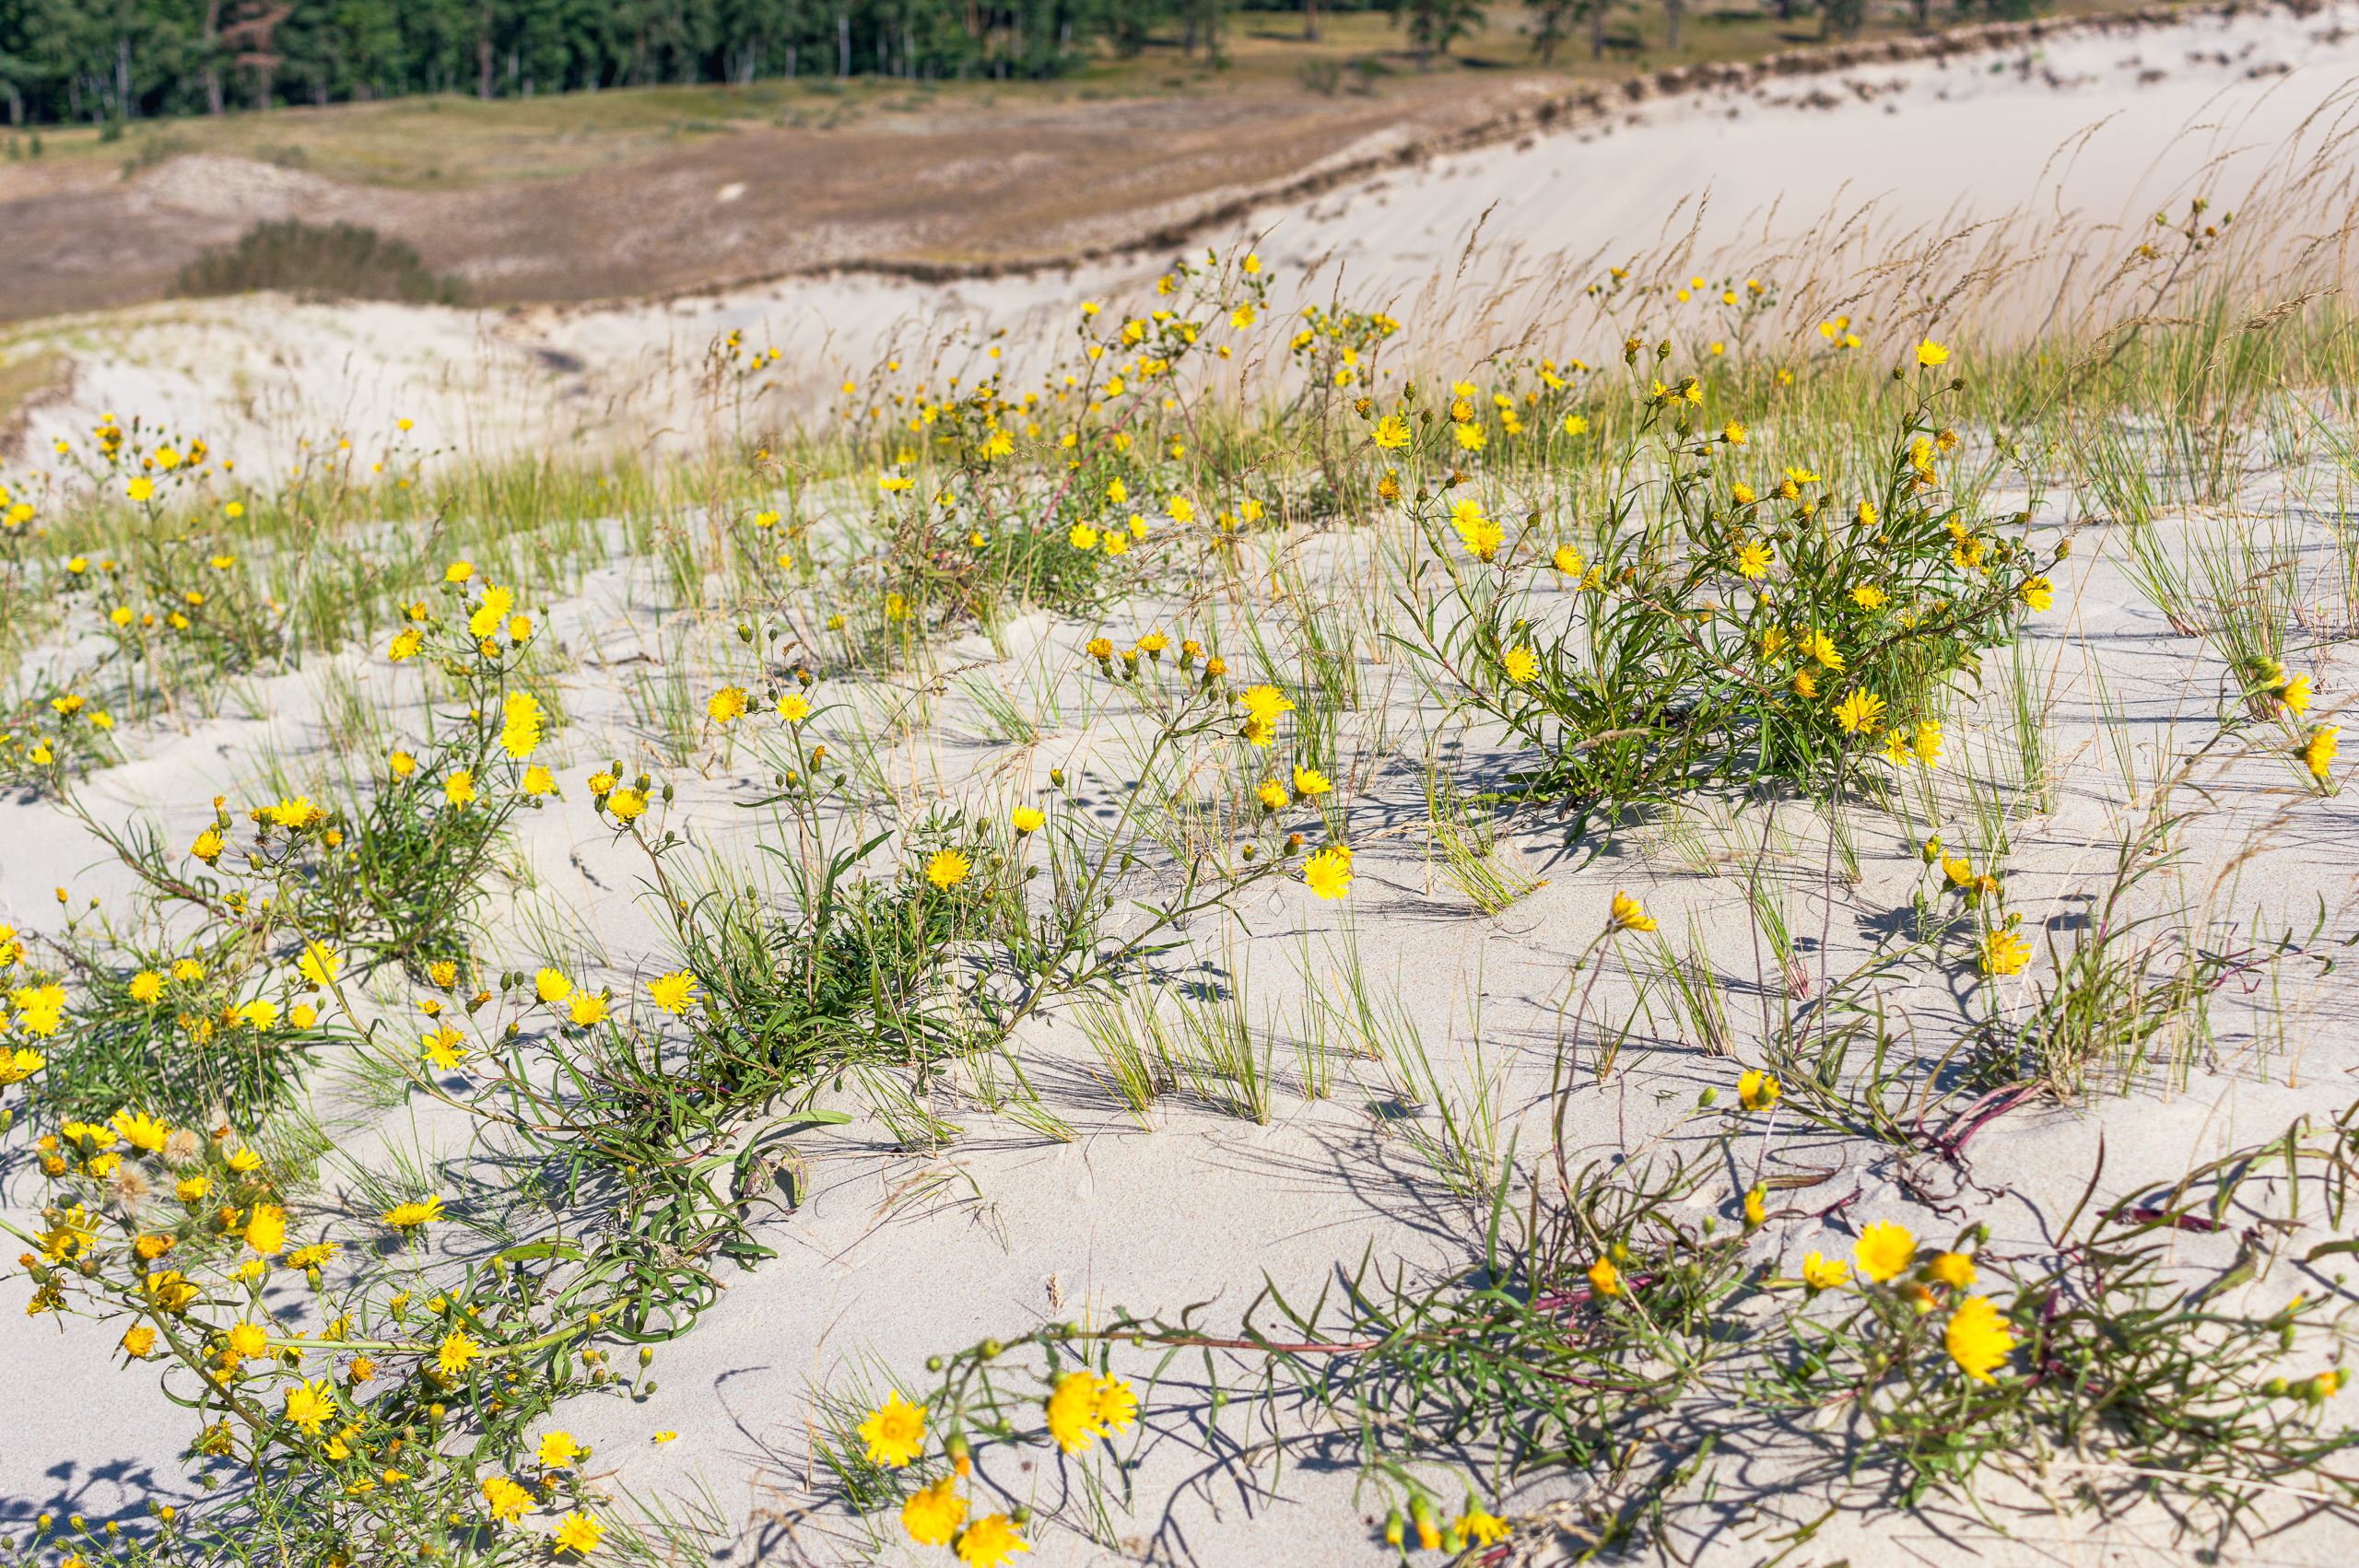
(95, 59)
(99, 60)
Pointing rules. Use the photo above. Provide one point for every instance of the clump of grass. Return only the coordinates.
(339, 260)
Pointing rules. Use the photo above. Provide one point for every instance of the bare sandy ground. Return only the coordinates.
(891, 1259)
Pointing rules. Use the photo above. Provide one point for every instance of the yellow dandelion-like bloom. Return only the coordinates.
(947, 869)
(588, 1008)
(1072, 1411)
(1860, 710)
(1757, 1091)
(2038, 592)
(1604, 1279)
(726, 705)
(794, 707)
(578, 1532)
(1328, 873)
(1273, 795)
(557, 1449)
(1884, 1251)
(1310, 781)
(1520, 664)
(1264, 704)
(409, 1216)
(990, 1541)
(1978, 1339)
(504, 1500)
(2319, 751)
(1927, 742)
(1869, 597)
(1754, 560)
(451, 1357)
(1955, 1270)
(934, 1514)
(1392, 432)
(673, 993)
(1028, 819)
(1627, 914)
(551, 985)
(459, 790)
(310, 1406)
(1929, 353)
(1823, 1273)
(895, 1431)
(2004, 953)
(1567, 560)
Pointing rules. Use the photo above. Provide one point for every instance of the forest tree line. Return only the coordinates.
(110, 60)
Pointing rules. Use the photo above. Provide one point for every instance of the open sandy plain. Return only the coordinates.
(1970, 196)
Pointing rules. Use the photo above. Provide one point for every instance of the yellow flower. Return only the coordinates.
(139, 1341)
(520, 724)
(1117, 492)
(1756, 1207)
(1266, 703)
(1822, 648)
(401, 764)
(2318, 753)
(140, 490)
(504, 1500)
(247, 1340)
(140, 1131)
(485, 622)
(673, 993)
(1273, 795)
(1742, 493)
(895, 1431)
(794, 707)
(311, 1405)
(1310, 781)
(266, 1229)
(2295, 695)
(1520, 664)
(539, 780)
(41, 1009)
(2038, 592)
(1868, 596)
(1604, 1279)
(1470, 438)
(1117, 1404)
(551, 985)
(1481, 536)
(260, 1012)
(626, 804)
(727, 704)
(460, 789)
(991, 1540)
(588, 1008)
(245, 1160)
(410, 1215)
(458, 571)
(1929, 353)
(1757, 1091)
(1955, 1270)
(934, 1514)
(557, 1449)
(2004, 953)
(1567, 560)
(1754, 560)
(1627, 914)
(1083, 537)
(1073, 1414)
(1977, 1339)
(1733, 433)
(453, 1354)
(1927, 743)
(578, 1532)
(1028, 819)
(1886, 1250)
(1392, 432)
(1574, 425)
(947, 869)
(318, 965)
(1328, 873)
(1822, 1273)
(1860, 710)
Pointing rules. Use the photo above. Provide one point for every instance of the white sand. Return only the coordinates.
(895, 1258)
